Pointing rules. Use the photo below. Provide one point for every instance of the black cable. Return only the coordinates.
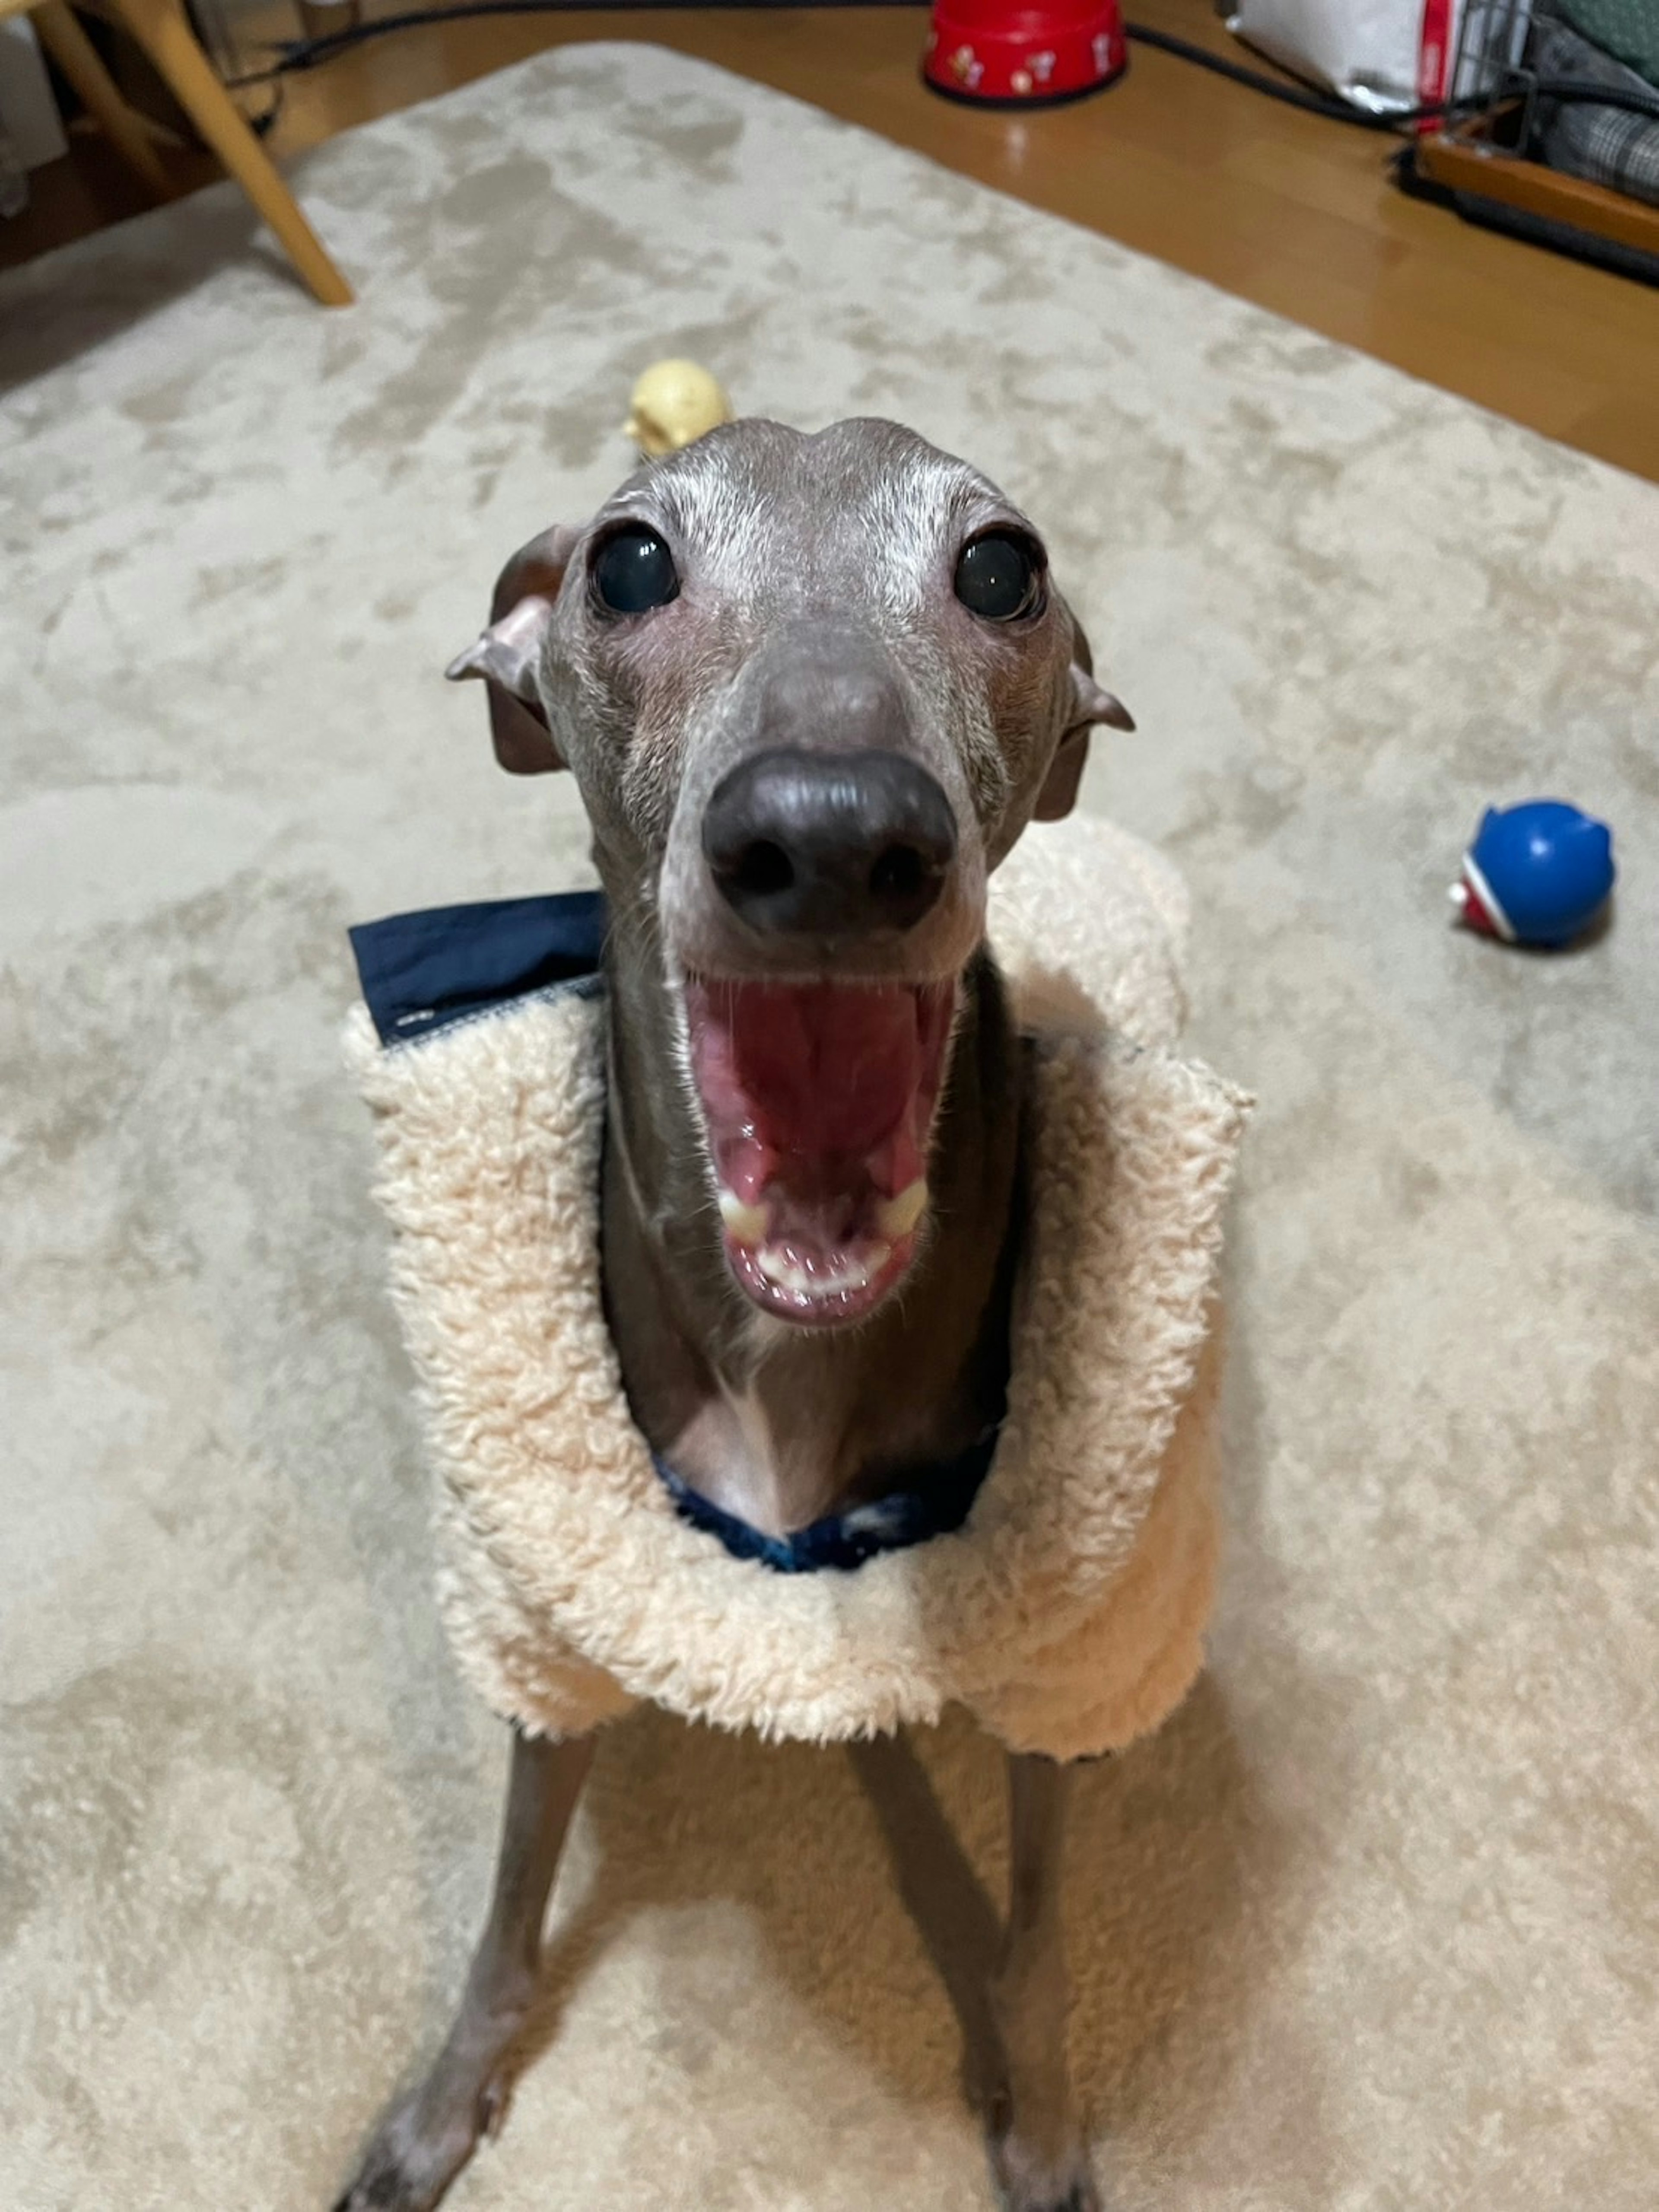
(306, 53)
(1400, 118)
(1585, 89)
(1277, 87)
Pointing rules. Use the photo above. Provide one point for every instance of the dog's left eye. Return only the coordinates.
(1001, 576)
(634, 571)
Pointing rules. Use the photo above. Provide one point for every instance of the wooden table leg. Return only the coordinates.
(160, 28)
(76, 55)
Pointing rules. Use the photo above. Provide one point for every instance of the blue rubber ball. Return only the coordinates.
(1544, 870)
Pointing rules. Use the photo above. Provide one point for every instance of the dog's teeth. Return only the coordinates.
(784, 1273)
(855, 1275)
(898, 1216)
(876, 1257)
(744, 1224)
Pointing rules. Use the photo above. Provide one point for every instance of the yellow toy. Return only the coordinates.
(674, 403)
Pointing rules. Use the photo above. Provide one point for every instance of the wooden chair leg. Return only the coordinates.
(160, 28)
(76, 55)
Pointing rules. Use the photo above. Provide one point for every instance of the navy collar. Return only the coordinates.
(427, 972)
(935, 1502)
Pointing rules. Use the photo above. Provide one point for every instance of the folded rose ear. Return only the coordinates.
(507, 653)
(1087, 704)
(1090, 704)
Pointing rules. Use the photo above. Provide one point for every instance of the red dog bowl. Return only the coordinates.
(1003, 55)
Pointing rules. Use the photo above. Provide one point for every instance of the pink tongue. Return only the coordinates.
(811, 1082)
(829, 1069)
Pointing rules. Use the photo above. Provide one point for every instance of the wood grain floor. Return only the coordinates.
(1286, 209)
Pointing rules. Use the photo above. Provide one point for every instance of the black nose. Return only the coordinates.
(829, 844)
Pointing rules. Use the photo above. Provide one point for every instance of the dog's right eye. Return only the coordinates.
(634, 571)
(1000, 576)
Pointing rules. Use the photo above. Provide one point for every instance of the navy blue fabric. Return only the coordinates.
(938, 1501)
(421, 972)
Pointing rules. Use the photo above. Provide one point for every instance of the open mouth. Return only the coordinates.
(818, 1100)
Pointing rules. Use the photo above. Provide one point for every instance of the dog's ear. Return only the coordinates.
(505, 654)
(1087, 704)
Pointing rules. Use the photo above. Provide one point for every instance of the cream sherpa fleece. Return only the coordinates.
(1068, 1611)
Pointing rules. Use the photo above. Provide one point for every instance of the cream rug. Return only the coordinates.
(1376, 1923)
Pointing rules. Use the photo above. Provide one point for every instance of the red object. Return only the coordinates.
(1475, 911)
(1004, 54)
(1434, 57)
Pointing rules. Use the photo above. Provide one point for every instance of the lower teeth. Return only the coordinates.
(789, 1275)
(744, 1225)
(899, 1215)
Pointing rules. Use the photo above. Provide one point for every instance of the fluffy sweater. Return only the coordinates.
(1068, 1611)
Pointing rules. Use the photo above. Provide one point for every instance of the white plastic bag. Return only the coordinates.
(1383, 55)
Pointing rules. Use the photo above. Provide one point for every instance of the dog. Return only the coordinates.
(811, 689)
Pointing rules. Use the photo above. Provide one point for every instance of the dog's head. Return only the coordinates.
(812, 690)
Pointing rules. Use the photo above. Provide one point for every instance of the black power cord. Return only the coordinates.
(1398, 118)
(294, 54)
(1278, 88)
(306, 53)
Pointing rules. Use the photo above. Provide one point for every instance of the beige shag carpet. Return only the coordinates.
(1375, 1922)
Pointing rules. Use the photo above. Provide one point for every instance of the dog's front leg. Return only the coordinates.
(1037, 2149)
(425, 2137)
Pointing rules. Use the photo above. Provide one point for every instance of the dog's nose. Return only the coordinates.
(829, 844)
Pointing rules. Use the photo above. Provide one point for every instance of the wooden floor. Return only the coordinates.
(1291, 212)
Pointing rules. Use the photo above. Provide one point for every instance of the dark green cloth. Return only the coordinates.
(1628, 29)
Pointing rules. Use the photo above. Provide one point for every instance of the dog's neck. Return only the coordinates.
(783, 1426)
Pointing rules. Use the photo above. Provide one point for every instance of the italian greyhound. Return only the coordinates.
(812, 690)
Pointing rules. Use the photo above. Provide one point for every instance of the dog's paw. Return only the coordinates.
(1031, 2180)
(421, 2143)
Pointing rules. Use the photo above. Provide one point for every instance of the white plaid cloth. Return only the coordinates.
(1611, 145)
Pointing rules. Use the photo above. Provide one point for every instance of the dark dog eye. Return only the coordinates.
(1001, 577)
(633, 570)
